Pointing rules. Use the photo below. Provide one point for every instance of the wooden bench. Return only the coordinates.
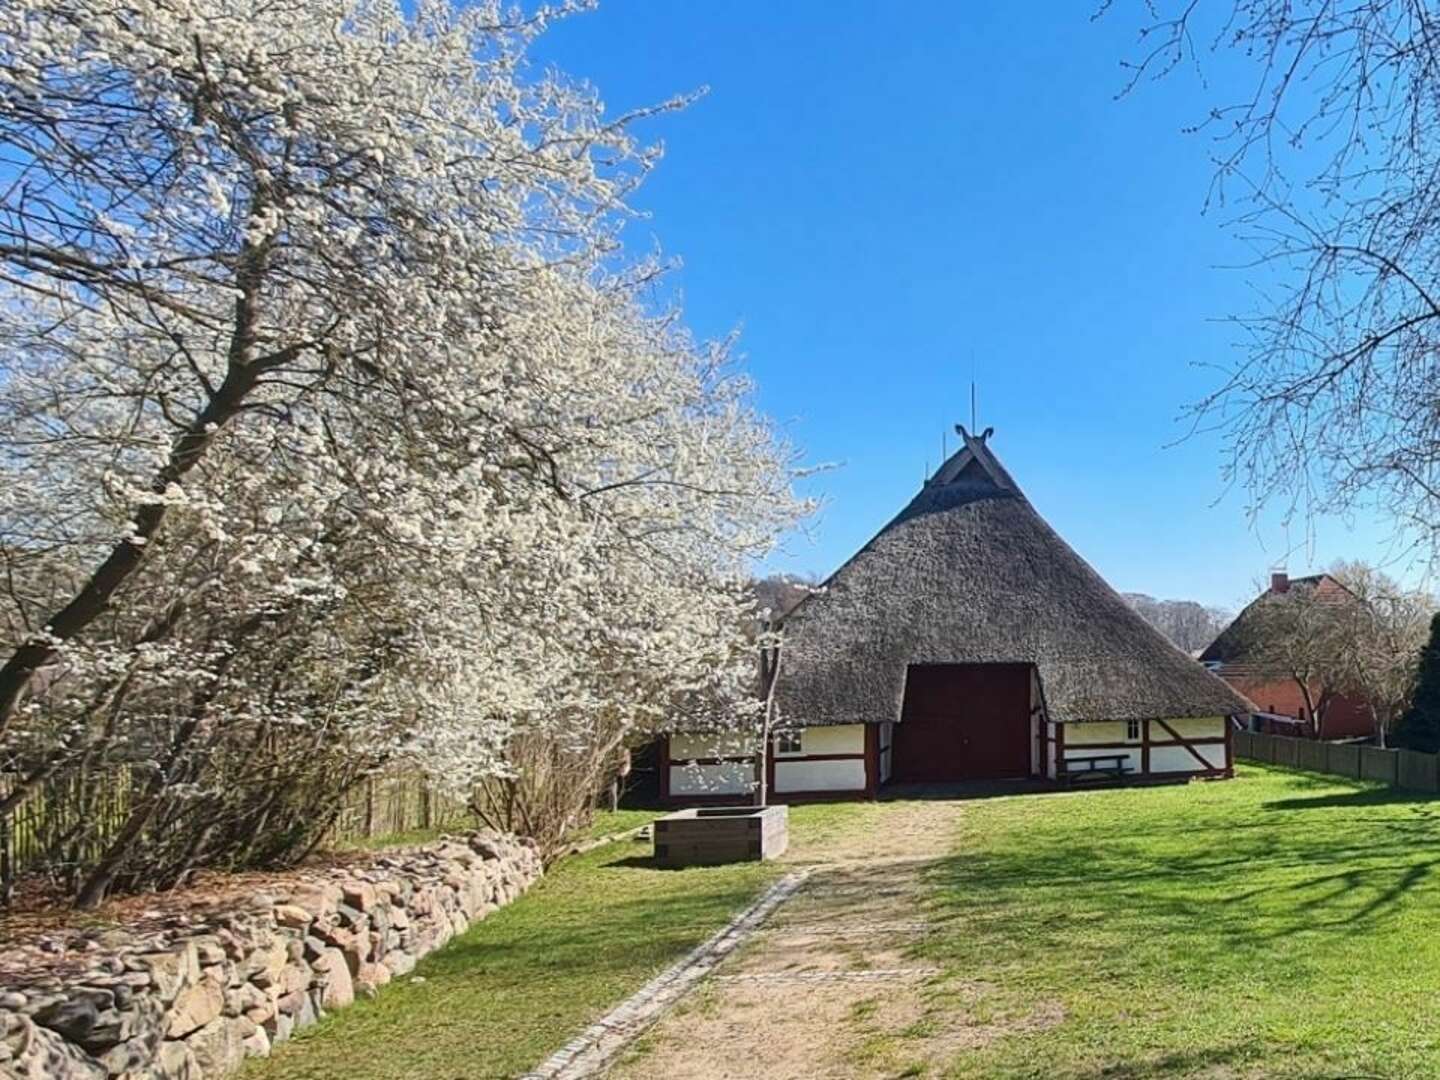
(1096, 767)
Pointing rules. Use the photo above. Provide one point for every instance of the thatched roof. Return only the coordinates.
(970, 573)
(1235, 641)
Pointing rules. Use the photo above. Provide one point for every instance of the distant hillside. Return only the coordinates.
(781, 592)
(1190, 625)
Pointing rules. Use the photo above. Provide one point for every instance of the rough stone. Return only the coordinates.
(189, 1001)
(71, 1018)
(128, 1056)
(256, 1044)
(358, 894)
(293, 915)
(169, 971)
(400, 963)
(370, 977)
(195, 1007)
(279, 1027)
(111, 1027)
(264, 965)
(246, 998)
(218, 1047)
(337, 988)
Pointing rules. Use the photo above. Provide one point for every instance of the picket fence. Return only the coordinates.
(1409, 769)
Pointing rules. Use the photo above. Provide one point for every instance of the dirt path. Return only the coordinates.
(830, 987)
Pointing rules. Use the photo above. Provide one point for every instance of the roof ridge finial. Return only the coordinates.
(982, 437)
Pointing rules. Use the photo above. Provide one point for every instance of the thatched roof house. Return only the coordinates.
(1264, 650)
(970, 573)
(967, 640)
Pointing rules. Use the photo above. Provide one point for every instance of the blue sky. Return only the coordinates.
(881, 196)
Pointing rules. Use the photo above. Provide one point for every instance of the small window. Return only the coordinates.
(1132, 729)
(788, 742)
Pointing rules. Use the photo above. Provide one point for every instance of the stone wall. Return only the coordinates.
(193, 1001)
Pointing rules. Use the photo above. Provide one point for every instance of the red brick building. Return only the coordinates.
(1278, 695)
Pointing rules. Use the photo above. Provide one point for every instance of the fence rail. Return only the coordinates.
(1410, 769)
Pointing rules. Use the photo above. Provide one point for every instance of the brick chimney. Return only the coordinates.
(1279, 582)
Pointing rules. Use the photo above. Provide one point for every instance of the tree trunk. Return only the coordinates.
(125, 557)
(242, 372)
(765, 723)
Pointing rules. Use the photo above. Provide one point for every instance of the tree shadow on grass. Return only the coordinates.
(1206, 1061)
(644, 862)
(1219, 888)
(1355, 800)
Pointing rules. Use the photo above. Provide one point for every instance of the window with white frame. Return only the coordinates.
(1132, 729)
(788, 742)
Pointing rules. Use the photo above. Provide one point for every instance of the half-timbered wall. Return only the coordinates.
(828, 759)
(1151, 747)
(1052, 747)
(708, 765)
(1107, 738)
(1189, 746)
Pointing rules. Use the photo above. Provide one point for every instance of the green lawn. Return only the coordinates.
(514, 988)
(1281, 924)
(610, 822)
(604, 823)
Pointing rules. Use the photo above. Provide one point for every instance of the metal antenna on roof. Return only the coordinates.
(973, 425)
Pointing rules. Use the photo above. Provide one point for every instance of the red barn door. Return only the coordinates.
(963, 722)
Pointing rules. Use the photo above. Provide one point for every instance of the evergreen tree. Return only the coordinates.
(1419, 729)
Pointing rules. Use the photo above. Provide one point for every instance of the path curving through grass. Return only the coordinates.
(510, 990)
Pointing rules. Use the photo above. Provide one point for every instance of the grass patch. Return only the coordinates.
(605, 823)
(1278, 925)
(512, 989)
(405, 838)
(609, 822)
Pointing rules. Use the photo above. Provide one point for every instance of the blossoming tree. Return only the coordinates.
(335, 427)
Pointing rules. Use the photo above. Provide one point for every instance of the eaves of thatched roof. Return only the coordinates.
(970, 573)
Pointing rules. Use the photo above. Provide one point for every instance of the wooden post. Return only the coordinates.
(763, 769)
(370, 806)
(7, 869)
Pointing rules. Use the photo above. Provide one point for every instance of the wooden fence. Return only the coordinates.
(71, 821)
(1408, 769)
(395, 803)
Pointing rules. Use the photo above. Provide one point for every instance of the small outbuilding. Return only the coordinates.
(967, 642)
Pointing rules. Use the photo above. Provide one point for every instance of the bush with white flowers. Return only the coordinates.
(335, 427)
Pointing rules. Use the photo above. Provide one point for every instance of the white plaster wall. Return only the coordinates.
(729, 778)
(841, 739)
(687, 746)
(1106, 731)
(1132, 757)
(819, 776)
(1205, 727)
(1175, 759)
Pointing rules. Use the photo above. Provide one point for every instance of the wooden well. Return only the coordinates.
(710, 835)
